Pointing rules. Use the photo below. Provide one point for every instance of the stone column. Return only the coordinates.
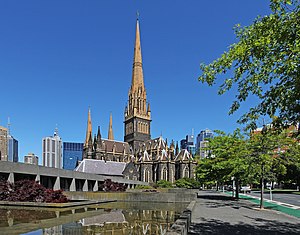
(96, 187)
(85, 186)
(57, 184)
(73, 185)
(11, 178)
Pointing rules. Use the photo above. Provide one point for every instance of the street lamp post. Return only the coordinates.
(233, 185)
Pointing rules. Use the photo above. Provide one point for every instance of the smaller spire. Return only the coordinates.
(89, 127)
(98, 135)
(110, 129)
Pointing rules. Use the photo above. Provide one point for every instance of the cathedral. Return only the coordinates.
(148, 160)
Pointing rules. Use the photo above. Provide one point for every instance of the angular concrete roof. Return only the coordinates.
(101, 167)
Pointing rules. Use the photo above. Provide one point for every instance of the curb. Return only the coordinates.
(182, 224)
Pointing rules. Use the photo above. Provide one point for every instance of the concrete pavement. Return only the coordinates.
(217, 213)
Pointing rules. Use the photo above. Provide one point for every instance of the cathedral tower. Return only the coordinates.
(137, 112)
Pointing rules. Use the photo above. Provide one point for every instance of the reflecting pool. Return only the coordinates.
(106, 218)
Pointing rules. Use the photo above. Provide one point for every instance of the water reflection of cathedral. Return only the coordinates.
(130, 222)
(153, 159)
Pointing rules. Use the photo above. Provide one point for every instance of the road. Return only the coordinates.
(292, 199)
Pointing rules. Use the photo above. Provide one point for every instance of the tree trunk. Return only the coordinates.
(261, 205)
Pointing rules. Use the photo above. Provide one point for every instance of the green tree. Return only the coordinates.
(265, 63)
(292, 153)
(227, 158)
(266, 158)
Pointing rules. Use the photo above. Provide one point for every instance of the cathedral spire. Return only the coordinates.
(137, 70)
(89, 128)
(110, 129)
(137, 114)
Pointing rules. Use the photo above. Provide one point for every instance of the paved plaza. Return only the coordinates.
(217, 213)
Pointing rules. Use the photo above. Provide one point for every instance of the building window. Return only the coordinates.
(164, 173)
(172, 176)
(186, 172)
(146, 175)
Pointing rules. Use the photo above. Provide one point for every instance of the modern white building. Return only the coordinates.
(52, 151)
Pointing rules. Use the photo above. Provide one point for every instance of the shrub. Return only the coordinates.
(143, 187)
(187, 183)
(110, 186)
(29, 191)
(164, 184)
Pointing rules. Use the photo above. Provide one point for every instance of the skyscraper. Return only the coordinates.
(202, 140)
(12, 149)
(188, 144)
(137, 111)
(72, 153)
(3, 143)
(52, 154)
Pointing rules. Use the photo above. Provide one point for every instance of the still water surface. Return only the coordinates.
(102, 219)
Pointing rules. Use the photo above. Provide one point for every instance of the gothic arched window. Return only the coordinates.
(146, 175)
(186, 172)
(164, 174)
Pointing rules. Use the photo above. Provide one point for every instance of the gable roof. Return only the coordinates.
(145, 157)
(101, 167)
(117, 146)
(184, 155)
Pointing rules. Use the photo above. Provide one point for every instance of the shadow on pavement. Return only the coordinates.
(260, 226)
(216, 197)
(223, 200)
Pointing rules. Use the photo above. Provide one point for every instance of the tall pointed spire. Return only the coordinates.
(137, 70)
(89, 128)
(137, 114)
(110, 129)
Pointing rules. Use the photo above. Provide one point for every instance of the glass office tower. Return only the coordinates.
(72, 152)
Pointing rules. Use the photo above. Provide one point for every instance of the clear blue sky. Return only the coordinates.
(57, 58)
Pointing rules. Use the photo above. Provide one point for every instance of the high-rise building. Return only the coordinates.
(202, 141)
(72, 153)
(52, 151)
(137, 111)
(31, 158)
(188, 144)
(12, 149)
(3, 143)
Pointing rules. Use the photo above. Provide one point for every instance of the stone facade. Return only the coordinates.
(156, 161)
(152, 159)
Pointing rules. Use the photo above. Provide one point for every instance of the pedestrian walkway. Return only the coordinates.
(274, 205)
(217, 213)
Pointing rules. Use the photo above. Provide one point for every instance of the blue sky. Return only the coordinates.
(57, 58)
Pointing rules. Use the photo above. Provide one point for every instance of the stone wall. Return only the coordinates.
(183, 223)
(171, 195)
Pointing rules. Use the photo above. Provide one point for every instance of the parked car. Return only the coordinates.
(245, 189)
